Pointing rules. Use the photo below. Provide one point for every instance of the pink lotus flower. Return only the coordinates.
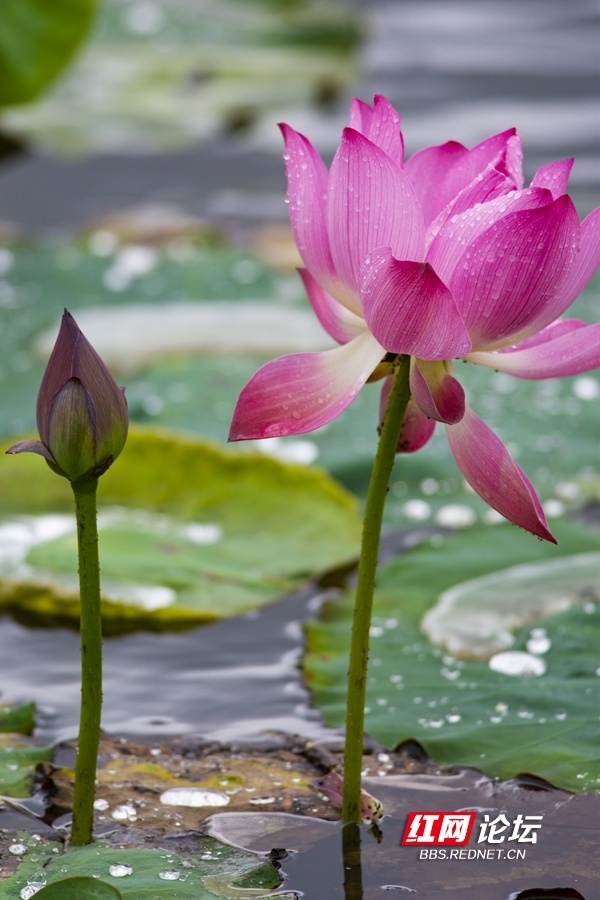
(445, 256)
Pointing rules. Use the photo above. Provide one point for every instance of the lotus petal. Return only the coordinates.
(567, 347)
(409, 310)
(493, 474)
(298, 393)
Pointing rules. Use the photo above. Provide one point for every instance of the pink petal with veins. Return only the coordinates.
(437, 393)
(298, 393)
(440, 173)
(451, 249)
(493, 474)
(371, 204)
(568, 347)
(337, 321)
(409, 310)
(554, 177)
(584, 266)
(307, 179)
(490, 185)
(513, 271)
(384, 129)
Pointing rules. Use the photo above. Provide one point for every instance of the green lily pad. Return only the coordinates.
(212, 870)
(469, 711)
(17, 767)
(18, 757)
(37, 40)
(188, 533)
(78, 887)
(18, 719)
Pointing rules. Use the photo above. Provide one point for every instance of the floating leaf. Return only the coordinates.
(18, 719)
(37, 40)
(211, 870)
(17, 766)
(77, 888)
(463, 711)
(189, 533)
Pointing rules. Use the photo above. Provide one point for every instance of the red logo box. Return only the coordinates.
(429, 828)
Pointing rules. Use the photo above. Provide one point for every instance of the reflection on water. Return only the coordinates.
(225, 681)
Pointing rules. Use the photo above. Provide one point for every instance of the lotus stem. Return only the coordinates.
(365, 587)
(91, 662)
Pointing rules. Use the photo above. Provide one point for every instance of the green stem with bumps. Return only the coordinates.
(363, 604)
(91, 662)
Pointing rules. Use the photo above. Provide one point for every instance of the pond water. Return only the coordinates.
(455, 68)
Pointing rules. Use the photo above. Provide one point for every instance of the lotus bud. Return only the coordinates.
(81, 412)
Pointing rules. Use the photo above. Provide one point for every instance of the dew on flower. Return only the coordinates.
(17, 849)
(169, 875)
